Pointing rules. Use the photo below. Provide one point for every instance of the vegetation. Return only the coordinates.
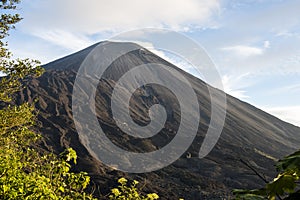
(125, 191)
(24, 172)
(285, 185)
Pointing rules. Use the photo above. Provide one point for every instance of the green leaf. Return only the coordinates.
(290, 162)
(284, 183)
(61, 188)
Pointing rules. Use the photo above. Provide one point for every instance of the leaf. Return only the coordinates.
(61, 188)
(283, 183)
(290, 162)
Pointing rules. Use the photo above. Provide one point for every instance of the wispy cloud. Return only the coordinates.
(267, 44)
(113, 15)
(235, 85)
(73, 23)
(64, 39)
(245, 51)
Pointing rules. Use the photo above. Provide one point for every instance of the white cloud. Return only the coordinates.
(72, 25)
(112, 15)
(272, 33)
(266, 44)
(244, 51)
(279, 57)
(286, 113)
(235, 85)
(63, 38)
(285, 33)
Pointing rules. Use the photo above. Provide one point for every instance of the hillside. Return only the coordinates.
(249, 134)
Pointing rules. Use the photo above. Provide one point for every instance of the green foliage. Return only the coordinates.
(129, 191)
(284, 185)
(24, 172)
(8, 20)
(15, 70)
(28, 175)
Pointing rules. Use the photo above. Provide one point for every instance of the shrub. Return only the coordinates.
(127, 190)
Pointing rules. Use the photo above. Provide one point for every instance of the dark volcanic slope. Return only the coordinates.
(249, 134)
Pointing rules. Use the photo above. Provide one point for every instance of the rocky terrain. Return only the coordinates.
(250, 136)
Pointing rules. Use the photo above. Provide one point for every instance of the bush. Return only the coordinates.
(24, 172)
(129, 191)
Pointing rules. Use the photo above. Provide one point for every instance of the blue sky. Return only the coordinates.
(255, 44)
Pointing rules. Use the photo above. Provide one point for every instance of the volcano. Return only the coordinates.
(251, 140)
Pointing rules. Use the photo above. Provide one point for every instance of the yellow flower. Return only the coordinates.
(123, 181)
(135, 182)
(152, 196)
(115, 191)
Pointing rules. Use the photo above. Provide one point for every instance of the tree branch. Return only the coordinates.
(255, 171)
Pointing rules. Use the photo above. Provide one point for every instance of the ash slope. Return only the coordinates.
(249, 134)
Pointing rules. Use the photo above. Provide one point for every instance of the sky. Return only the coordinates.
(255, 44)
